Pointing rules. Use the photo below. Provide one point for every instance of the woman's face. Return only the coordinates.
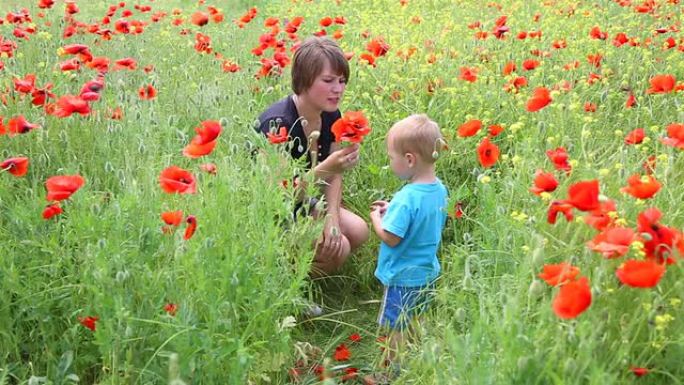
(327, 90)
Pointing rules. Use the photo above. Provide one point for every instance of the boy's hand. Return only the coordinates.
(380, 207)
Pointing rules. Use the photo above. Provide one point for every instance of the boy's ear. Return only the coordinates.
(410, 158)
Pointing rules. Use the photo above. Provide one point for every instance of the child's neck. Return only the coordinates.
(424, 174)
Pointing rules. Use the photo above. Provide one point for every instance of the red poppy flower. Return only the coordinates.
(539, 100)
(620, 39)
(190, 228)
(16, 166)
(62, 186)
(126, 63)
(631, 101)
(530, 64)
(100, 64)
(559, 157)
(280, 137)
(663, 239)
(675, 136)
(487, 153)
(635, 136)
(661, 84)
(199, 18)
(613, 242)
(468, 74)
(559, 274)
(596, 33)
(356, 337)
(75, 49)
(589, 107)
(508, 68)
(209, 168)
(26, 85)
(595, 59)
(51, 210)
(584, 195)
(171, 309)
(600, 219)
(205, 140)
(641, 274)
(495, 130)
(147, 92)
(88, 322)
(342, 353)
(639, 372)
(641, 187)
(370, 59)
(458, 210)
(172, 218)
(572, 299)
(514, 84)
(559, 207)
(176, 180)
(40, 95)
(69, 104)
(19, 125)
(351, 127)
(469, 128)
(378, 47)
(544, 182)
(349, 374)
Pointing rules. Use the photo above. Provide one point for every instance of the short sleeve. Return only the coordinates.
(397, 219)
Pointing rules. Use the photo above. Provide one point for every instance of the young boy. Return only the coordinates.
(410, 226)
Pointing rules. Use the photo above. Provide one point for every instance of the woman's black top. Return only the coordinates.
(284, 113)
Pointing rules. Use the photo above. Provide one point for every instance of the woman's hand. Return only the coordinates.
(332, 237)
(339, 161)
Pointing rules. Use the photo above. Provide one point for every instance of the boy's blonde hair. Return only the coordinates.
(309, 59)
(417, 134)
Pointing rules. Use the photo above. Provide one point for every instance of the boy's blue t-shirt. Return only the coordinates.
(417, 215)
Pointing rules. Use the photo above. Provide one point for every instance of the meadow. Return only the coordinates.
(128, 258)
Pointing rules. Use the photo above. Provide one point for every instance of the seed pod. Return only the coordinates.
(535, 290)
(460, 314)
(537, 257)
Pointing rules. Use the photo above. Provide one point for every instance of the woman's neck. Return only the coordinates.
(305, 109)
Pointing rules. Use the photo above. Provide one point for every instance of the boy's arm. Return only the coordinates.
(376, 219)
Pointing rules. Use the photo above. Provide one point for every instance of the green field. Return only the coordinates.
(236, 291)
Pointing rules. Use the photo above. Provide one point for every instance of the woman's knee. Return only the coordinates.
(354, 228)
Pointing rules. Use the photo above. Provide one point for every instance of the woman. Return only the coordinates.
(319, 76)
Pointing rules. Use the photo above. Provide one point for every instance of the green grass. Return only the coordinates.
(242, 277)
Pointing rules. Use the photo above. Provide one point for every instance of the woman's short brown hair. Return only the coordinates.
(309, 60)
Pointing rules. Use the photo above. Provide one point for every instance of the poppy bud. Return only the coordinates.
(460, 314)
(646, 237)
(468, 283)
(314, 134)
(570, 367)
(535, 289)
(538, 257)
(523, 362)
